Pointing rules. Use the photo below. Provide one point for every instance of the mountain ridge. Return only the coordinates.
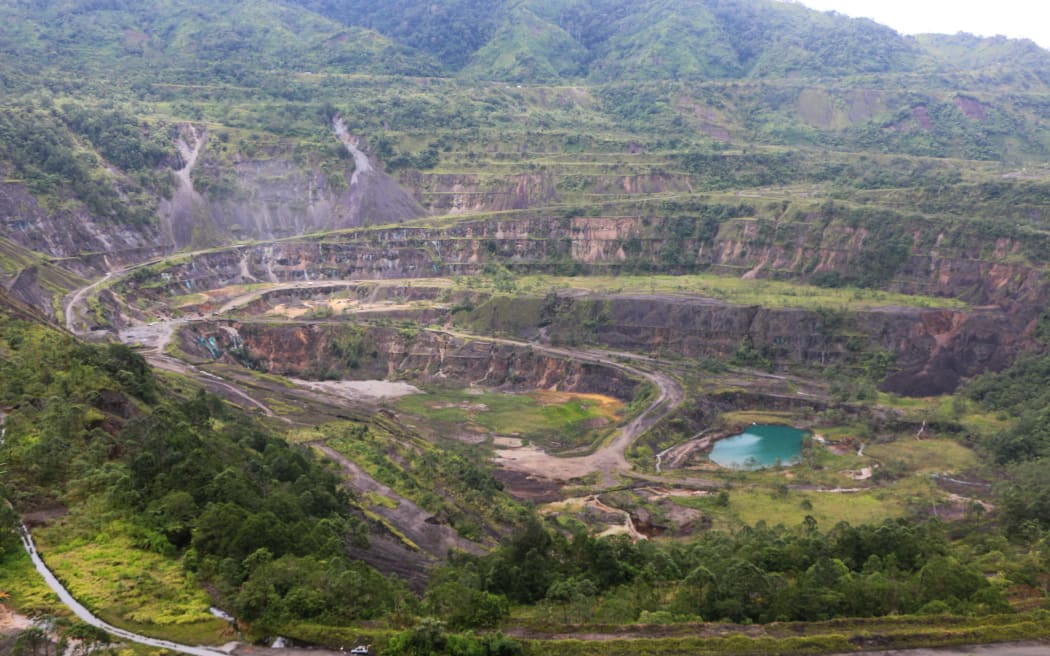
(521, 41)
(655, 39)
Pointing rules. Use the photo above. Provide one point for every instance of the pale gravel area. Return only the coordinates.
(11, 622)
(360, 390)
(508, 442)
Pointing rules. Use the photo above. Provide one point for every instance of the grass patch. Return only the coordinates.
(761, 292)
(280, 408)
(379, 519)
(828, 508)
(925, 456)
(134, 589)
(748, 417)
(304, 435)
(557, 420)
(27, 592)
(761, 504)
(381, 501)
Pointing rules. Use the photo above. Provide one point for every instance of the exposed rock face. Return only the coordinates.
(71, 231)
(26, 288)
(444, 193)
(943, 347)
(933, 350)
(458, 194)
(1001, 276)
(272, 196)
(276, 199)
(352, 352)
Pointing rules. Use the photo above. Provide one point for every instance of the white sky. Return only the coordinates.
(1013, 18)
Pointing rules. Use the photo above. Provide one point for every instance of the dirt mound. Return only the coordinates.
(527, 487)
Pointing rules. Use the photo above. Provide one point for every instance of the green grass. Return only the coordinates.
(27, 592)
(748, 417)
(135, 589)
(828, 508)
(763, 504)
(557, 420)
(376, 499)
(693, 639)
(814, 638)
(925, 456)
(764, 293)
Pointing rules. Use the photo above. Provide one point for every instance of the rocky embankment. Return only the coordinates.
(931, 349)
(322, 351)
(1003, 275)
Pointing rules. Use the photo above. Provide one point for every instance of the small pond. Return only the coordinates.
(759, 446)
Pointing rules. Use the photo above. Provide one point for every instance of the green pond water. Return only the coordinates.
(759, 446)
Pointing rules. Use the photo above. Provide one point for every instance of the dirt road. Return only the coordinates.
(610, 458)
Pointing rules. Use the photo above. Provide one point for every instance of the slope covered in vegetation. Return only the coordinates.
(589, 238)
(130, 466)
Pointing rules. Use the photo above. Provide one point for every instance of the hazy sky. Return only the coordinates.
(1013, 18)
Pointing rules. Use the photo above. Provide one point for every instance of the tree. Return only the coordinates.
(34, 641)
(945, 578)
(569, 592)
(88, 638)
(464, 607)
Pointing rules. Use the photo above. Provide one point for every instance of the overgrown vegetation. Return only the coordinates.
(760, 574)
(724, 149)
(180, 481)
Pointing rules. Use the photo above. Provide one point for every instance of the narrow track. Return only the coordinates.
(87, 616)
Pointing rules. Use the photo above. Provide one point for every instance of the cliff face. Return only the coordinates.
(219, 198)
(932, 350)
(443, 193)
(69, 231)
(278, 198)
(929, 351)
(274, 193)
(1008, 275)
(325, 351)
(462, 193)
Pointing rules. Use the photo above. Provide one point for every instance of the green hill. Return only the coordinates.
(515, 41)
(618, 230)
(603, 40)
(188, 42)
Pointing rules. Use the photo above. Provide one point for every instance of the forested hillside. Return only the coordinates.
(423, 324)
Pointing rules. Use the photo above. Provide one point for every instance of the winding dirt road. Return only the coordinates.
(153, 338)
(77, 297)
(610, 458)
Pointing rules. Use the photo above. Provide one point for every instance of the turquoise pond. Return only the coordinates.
(759, 446)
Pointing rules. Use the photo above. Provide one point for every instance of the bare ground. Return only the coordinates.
(360, 390)
(526, 487)
(418, 525)
(11, 622)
